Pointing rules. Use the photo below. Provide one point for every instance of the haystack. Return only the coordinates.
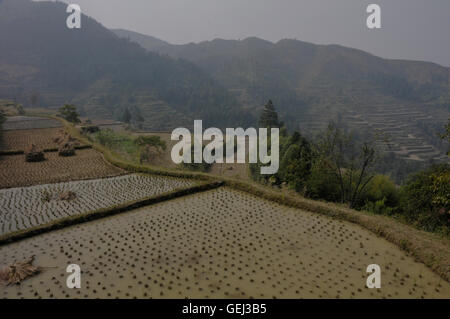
(67, 196)
(18, 272)
(65, 137)
(32, 154)
(66, 149)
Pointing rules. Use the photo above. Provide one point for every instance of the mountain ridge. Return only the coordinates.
(312, 84)
(125, 33)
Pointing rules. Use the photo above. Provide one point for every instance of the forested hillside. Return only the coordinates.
(101, 73)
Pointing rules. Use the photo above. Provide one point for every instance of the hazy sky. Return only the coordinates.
(411, 29)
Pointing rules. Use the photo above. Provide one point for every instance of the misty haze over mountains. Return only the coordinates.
(223, 82)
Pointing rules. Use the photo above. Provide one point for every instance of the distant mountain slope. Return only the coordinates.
(146, 41)
(100, 72)
(311, 84)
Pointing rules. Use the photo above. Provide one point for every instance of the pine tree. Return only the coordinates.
(269, 116)
(126, 117)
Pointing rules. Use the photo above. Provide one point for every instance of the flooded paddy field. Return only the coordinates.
(219, 244)
(22, 208)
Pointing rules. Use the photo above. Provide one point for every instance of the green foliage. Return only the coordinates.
(381, 187)
(295, 155)
(126, 117)
(154, 141)
(119, 142)
(446, 135)
(89, 129)
(135, 149)
(296, 162)
(426, 198)
(381, 196)
(322, 185)
(269, 117)
(69, 113)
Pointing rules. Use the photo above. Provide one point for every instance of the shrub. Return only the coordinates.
(69, 113)
(90, 129)
(426, 198)
(380, 196)
(322, 185)
(32, 154)
(154, 141)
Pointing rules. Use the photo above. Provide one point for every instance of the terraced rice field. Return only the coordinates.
(86, 164)
(28, 123)
(22, 208)
(402, 124)
(21, 139)
(219, 244)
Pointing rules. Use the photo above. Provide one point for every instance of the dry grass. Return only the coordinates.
(86, 164)
(21, 139)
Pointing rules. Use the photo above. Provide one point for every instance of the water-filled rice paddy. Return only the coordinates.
(22, 208)
(219, 244)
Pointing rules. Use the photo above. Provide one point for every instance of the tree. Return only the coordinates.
(348, 163)
(269, 116)
(34, 98)
(126, 117)
(296, 162)
(426, 197)
(69, 113)
(446, 135)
